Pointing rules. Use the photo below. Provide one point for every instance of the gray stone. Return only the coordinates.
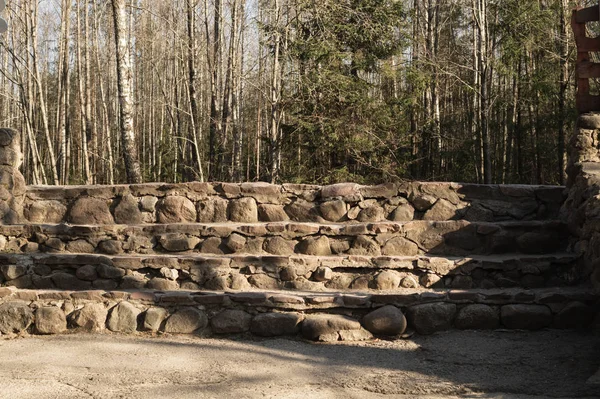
(177, 242)
(127, 211)
(148, 203)
(80, 247)
(365, 245)
(15, 317)
(477, 317)
(154, 318)
(403, 213)
(92, 317)
(175, 209)
(373, 213)
(333, 211)
(442, 210)
(526, 317)
(575, 315)
(243, 210)
(171, 274)
(87, 273)
(318, 327)
(186, 321)
(388, 320)
(279, 246)
(315, 246)
(110, 247)
(106, 285)
(346, 191)
(538, 242)
(460, 282)
(388, 280)
(322, 274)
(212, 210)
(231, 322)
(50, 320)
(42, 211)
(423, 202)
(301, 211)
(212, 245)
(272, 213)
(355, 335)
(66, 281)
(409, 282)
(235, 242)
(109, 272)
(162, 284)
(54, 244)
(400, 246)
(429, 318)
(239, 283)
(88, 210)
(264, 282)
(276, 324)
(123, 318)
(133, 282)
(11, 272)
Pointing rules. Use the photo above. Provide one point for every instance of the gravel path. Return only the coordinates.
(497, 364)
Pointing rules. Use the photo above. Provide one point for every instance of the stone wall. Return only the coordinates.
(262, 202)
(319, 317)
(581, 210)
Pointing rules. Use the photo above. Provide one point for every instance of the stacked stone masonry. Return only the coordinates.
(339, 262)
(323, 317)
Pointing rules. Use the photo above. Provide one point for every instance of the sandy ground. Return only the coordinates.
(497, 364)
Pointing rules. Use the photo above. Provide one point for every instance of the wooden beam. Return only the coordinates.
(587, 44)
(587, 103)
(587, 70)
(588, 14)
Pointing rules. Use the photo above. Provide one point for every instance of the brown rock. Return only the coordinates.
(403, 213)
(162, 284)
(11, 272)
(154, 318)
(186, 321)
(279, 246)
(212, 210)
(373, 213)
(319, 327)
(477, 317)
(364, 245)
(50, 320)
(272, 213)
(235, 242)
(127, 210)
(432, 317)
(43, 211)
(315, 246)
(92, 317)
(442, 210)
(388, 320)
(175, 209)
(526, 317)
(388, 280)
(80, 247)
(347, 191)
(110, 247)
(400, 246)
(178, 242)
(422, 202)
(303, 212)
(322, 274)
(276, 324)
(574, 315)
(333, 211)
(243, 210)
(86, 273)
(212, 245)
(264, 282)
(15, 317)
(88, 210)
(231, 322)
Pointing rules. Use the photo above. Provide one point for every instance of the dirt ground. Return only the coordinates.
(547, 364)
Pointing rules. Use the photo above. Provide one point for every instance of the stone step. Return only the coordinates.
(298, 272)
(252, 202)
(324, 316)
(452, 238)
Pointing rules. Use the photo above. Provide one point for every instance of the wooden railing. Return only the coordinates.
(586, 69)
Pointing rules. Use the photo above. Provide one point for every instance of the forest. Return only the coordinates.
(300, 91)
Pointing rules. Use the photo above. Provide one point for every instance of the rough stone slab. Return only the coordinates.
(316, 326)
(186, 321)
(91, 317)
(276, 324)
(15, 317)
(231, 322)
(123, 318)
(50, 320)
(431, 317)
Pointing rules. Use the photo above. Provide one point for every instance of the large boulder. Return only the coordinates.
(477, 317)
(89, 210)
(186, 321)
(92, 317)
(429, 318)
(212, 210)
(231, 322)
(326, 327)
(276, 324)
(243, 210)
(127, 210)
(175, 209)
(526, 317)
(50, 320)
(15, 317)
(388, 320)
(123, 318)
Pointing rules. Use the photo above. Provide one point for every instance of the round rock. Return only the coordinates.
(15, 317)
(186, 321)
(50, 320)
(388, 320)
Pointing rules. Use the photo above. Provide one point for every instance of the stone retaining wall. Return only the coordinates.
(314, 316)
(253, 202)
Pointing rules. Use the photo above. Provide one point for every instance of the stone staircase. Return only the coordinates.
(339, 262)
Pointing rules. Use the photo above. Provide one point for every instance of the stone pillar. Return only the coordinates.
(12, 182)
(581, 211)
